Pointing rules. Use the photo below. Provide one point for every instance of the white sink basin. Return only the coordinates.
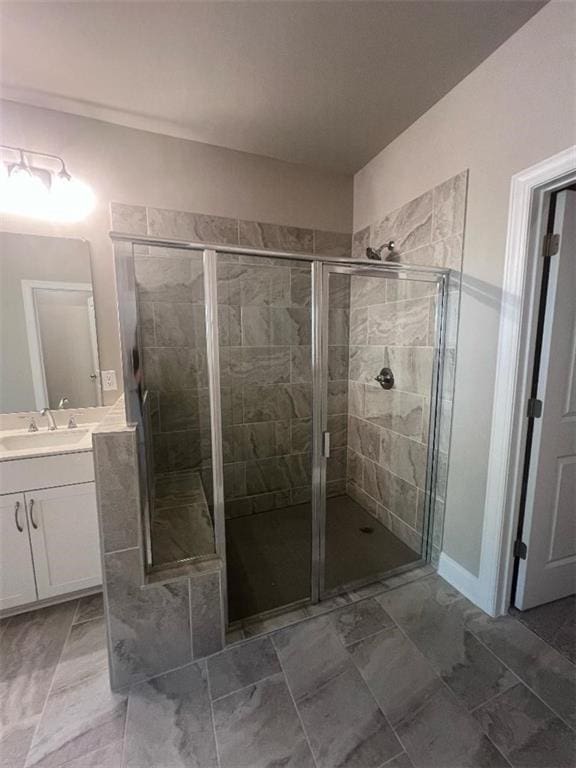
(37, 440)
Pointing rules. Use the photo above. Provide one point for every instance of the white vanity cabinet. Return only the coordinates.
(17, 585)
(50, 543)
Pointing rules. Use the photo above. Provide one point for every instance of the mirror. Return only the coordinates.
(48, 341)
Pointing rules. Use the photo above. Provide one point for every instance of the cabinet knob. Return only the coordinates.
(16, 511)
(34, 523)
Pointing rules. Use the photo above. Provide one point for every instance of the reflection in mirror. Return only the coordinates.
(48, 340)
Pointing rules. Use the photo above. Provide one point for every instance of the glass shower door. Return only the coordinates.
(380, 353)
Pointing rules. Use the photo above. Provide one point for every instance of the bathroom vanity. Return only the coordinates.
(48, 519)
(50, 401)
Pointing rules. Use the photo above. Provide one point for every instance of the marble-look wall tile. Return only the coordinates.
(149, 626)
(397, 495)
(300, 287)
(338, 362)
(449, 207)
(199, 227)
(364, 438)
(402, 323)
(291, 325)
(146, 323)
(339, 291)
(403, 457)
(175, 451)
(360, 241)
(275, 236)
(171, 368)
(366, 363)
(354, 465)
(278, 402)
(338, 326)
(412, 368)
(338, 396)
(130, 219)
(170, 722)
(409, 226)
(175, 326)
(332, 243)
(367, 291)
(179, 410)
(206, 613)
(116, 470)
(398, 411)
(170, 278)
(256, 326)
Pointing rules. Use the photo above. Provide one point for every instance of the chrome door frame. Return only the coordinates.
(321, 272)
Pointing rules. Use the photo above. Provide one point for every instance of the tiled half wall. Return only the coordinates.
(394, 326)
(155, 623)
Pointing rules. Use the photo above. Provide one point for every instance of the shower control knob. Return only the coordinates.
(385, 378)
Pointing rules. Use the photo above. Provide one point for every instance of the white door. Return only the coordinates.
(65, 538)
(549, 571)
(17, 584)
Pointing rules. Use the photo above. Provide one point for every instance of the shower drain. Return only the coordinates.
(367, 529)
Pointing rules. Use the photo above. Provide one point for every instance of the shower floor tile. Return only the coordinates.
(269, 554)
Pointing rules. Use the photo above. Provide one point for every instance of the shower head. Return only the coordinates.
(376, 253)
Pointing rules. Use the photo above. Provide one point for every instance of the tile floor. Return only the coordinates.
(412, 676)
(554, 622)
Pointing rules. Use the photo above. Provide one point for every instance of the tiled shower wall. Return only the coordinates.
(265, 325)
(392, 324)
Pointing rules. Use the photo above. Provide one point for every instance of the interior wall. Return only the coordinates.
(514, 110)
(130, 165)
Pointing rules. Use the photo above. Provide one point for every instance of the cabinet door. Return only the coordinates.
(65, 538)
(16, 572)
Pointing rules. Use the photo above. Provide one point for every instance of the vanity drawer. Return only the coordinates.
(46, 471)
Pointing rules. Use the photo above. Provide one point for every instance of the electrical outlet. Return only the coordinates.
(109, 381)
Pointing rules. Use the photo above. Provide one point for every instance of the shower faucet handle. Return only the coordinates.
(385, 378)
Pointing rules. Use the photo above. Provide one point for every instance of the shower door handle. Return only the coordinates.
(326, 445)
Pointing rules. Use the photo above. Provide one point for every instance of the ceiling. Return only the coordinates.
(321, 82)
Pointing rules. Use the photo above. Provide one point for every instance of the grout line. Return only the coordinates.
(245, 687)
(522, 679)
(56, 667)
(123, 755)
(490, 699)
(299, 716)
(211, 701)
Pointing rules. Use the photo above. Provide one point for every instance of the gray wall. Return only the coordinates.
(130, 166)
(514, 110)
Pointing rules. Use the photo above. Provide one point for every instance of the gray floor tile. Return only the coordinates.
(555, 623)
(442, 734)
(399, 676)
(344, 725)
(91, 607)
(258, 727)
(550, 675)
(107, 757)
(359, 620)
(30, 647)
(241, 666)
(435, 617)
(81, 714)
(527, 731)
(15, 742)
(266, 626)
(169, 721)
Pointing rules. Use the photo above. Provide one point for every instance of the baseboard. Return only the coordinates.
(464, 581)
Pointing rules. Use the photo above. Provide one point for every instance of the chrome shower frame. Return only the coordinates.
(321, 268)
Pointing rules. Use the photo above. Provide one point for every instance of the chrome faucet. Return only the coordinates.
(50, 416)
(63, 403)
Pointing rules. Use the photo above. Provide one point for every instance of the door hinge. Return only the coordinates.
(551, 245)
(520, 549)
(534, 410)
(326, 445)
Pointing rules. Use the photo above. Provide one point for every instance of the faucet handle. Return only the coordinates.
(72, 423)
(64, 402)
(32, 427)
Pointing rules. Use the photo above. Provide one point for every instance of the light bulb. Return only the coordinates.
(23, 194)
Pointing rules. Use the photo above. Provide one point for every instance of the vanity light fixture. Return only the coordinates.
(35, 191)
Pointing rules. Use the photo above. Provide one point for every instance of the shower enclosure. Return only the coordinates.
(289, 412)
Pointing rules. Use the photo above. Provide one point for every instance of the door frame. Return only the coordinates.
(34, 336)
(321, 271)
(530, 194)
